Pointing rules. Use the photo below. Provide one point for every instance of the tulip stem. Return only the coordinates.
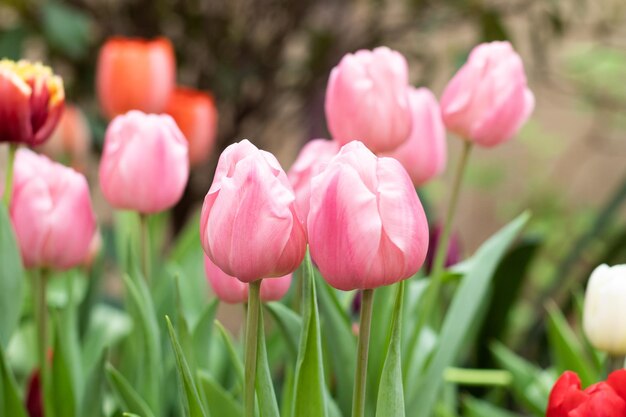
(8, 178)
(360, 376)
(146, 258)
(40, 306)
(252, 332)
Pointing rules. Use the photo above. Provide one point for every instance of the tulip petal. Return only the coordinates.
(15, 113)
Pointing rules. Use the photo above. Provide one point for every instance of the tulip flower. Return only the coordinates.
(367, 99)
(71, 140)
(230, 290)
(196, 116)
(313, 156)
(488, 99)
(424, 153)
(31, 102)
(249, 225)
(144, 164)
(135, 74)
(604, 399)
(34, 403)
(605, 310)
(51, 212)
(367, 227)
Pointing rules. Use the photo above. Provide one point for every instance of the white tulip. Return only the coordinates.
(604, 317)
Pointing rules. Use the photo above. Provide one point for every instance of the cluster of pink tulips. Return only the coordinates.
(350, 199)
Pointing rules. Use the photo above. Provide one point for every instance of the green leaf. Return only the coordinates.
(192, 403)
(479, 408)
(148, 339)
(337, 328)
(91, 404)
(310, 388)
(66, 28)
(126, 394)
(64, 386)
(107, 326)
(219, 401)
(268, 406)
(289, 323)
(526, 385)
(232, 352)
(463, 310)
(390, 401)
(10, 402)
(567, 351)
(11, 284)
(202, 335)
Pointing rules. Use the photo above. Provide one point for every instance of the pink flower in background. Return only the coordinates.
(424, 154)
(230, 290)
(249, 226)
(367, 99)
(488, 99)
(51, 212)
(31, 102)
(144, 165)
(367, 227)
(135, 74)
(311, 159)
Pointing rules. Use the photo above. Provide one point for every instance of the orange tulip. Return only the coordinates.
(135, 74)
(196, 116)
(71, 139)
(31, 102)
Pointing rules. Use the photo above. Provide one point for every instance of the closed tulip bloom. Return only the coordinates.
(71, 140)
(196, 116)
(249, 225)
(488, 99)
(424, 153)
(31, 102)
(604, 318)
(144, 165)
(366, 225)
(51, 212)
(230, 290)
(604, 399)
(135, 74)
(312, 158)
(367, 99)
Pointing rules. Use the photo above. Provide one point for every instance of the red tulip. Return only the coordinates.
(135, 74)
(34, 403)
(196, 116)
(31, 102)
(604, 399)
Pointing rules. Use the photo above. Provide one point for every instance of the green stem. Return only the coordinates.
(146, 259)
(8, 184)
(39, 285)
(429, 299)
(360, 376)
(252, 329)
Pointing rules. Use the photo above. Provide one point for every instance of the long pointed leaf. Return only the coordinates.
(11, 403)
(12, 279)
(126, 394)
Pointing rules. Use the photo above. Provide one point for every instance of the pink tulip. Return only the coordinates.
(309, 163)
(230, 290)
(488, 100)
(51, 212)
(249, 225)
(424, 154)
(367, 99)
(367, 227)
(144, 164)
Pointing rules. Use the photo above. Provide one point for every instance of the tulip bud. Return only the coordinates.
(488, 100)
(605, 309)
(367, 99)
(424, 153)
(249, 225)
(71, 139)
(366, 225)
(135, 74)
(34, 400)
(313, 156)
(31, 102)
(51, 212)
(144, 164)
(196, 116)
(603, 399)
(230, 290)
